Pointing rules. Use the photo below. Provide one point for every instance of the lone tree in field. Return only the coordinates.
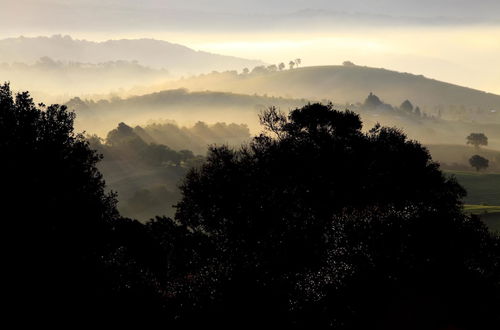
(478, 162)
(477, 139)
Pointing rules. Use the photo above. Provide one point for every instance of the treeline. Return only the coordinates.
(162, 139)
(197, 137)
(145, 165)
(373, 102)
(181, 97)
(124, 144)
(70, 77)
(314, 224)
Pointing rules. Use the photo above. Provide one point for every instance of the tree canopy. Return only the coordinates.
(67, 254)
(316, 223)
(477, 139)
(313, 224)
(479, 162)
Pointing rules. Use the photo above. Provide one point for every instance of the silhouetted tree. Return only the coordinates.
(56, 209)
(348, 63)
(317, 224)
(291, 64)
(281, 66)
(246, 71)
(417, 112)
(272, 68)
(67, 252)
(372, 102)
(313, 224)
(478, 162)
(406, 106)
(298, 62)
(260, 69)
(477, 139)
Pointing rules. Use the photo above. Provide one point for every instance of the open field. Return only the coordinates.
(489, 214)
(482, 189)
(483, 195)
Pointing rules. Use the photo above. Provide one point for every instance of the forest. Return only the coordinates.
(294, 228)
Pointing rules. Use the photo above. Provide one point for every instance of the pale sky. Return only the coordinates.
(457, 41)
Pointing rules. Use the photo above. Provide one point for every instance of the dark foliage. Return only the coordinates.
(477, 139)
(314, 225)
(62, 234)
(323, 225)
(479, 162)
(123, 143)
(406, 106)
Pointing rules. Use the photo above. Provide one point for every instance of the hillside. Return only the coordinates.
(187, 107)
(346, 84)
(76, 78)
(178, 105)
(177, 59)
(482, 189)
(457, 156)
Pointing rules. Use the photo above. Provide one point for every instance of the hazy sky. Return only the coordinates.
(452, 40)
(478, 8)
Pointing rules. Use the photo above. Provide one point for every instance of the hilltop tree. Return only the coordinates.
(477, 139)
(348, 63)
(260, 69)
(272, 68)
(479, 162)
(406, 106)
(291, 64)
(372, 102)
(298, 62)
(281, 66)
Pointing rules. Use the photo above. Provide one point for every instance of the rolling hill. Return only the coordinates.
(179, 105)
(177, 59)
(346, 84)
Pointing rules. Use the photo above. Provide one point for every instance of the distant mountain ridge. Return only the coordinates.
(177, 59)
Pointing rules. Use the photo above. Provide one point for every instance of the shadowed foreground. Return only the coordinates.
(313, 224)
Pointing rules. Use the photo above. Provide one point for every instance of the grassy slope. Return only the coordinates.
(481, 189)
(346, 84)
(460, 154)
(489, 214)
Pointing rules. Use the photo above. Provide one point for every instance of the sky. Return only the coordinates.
(456, 41)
